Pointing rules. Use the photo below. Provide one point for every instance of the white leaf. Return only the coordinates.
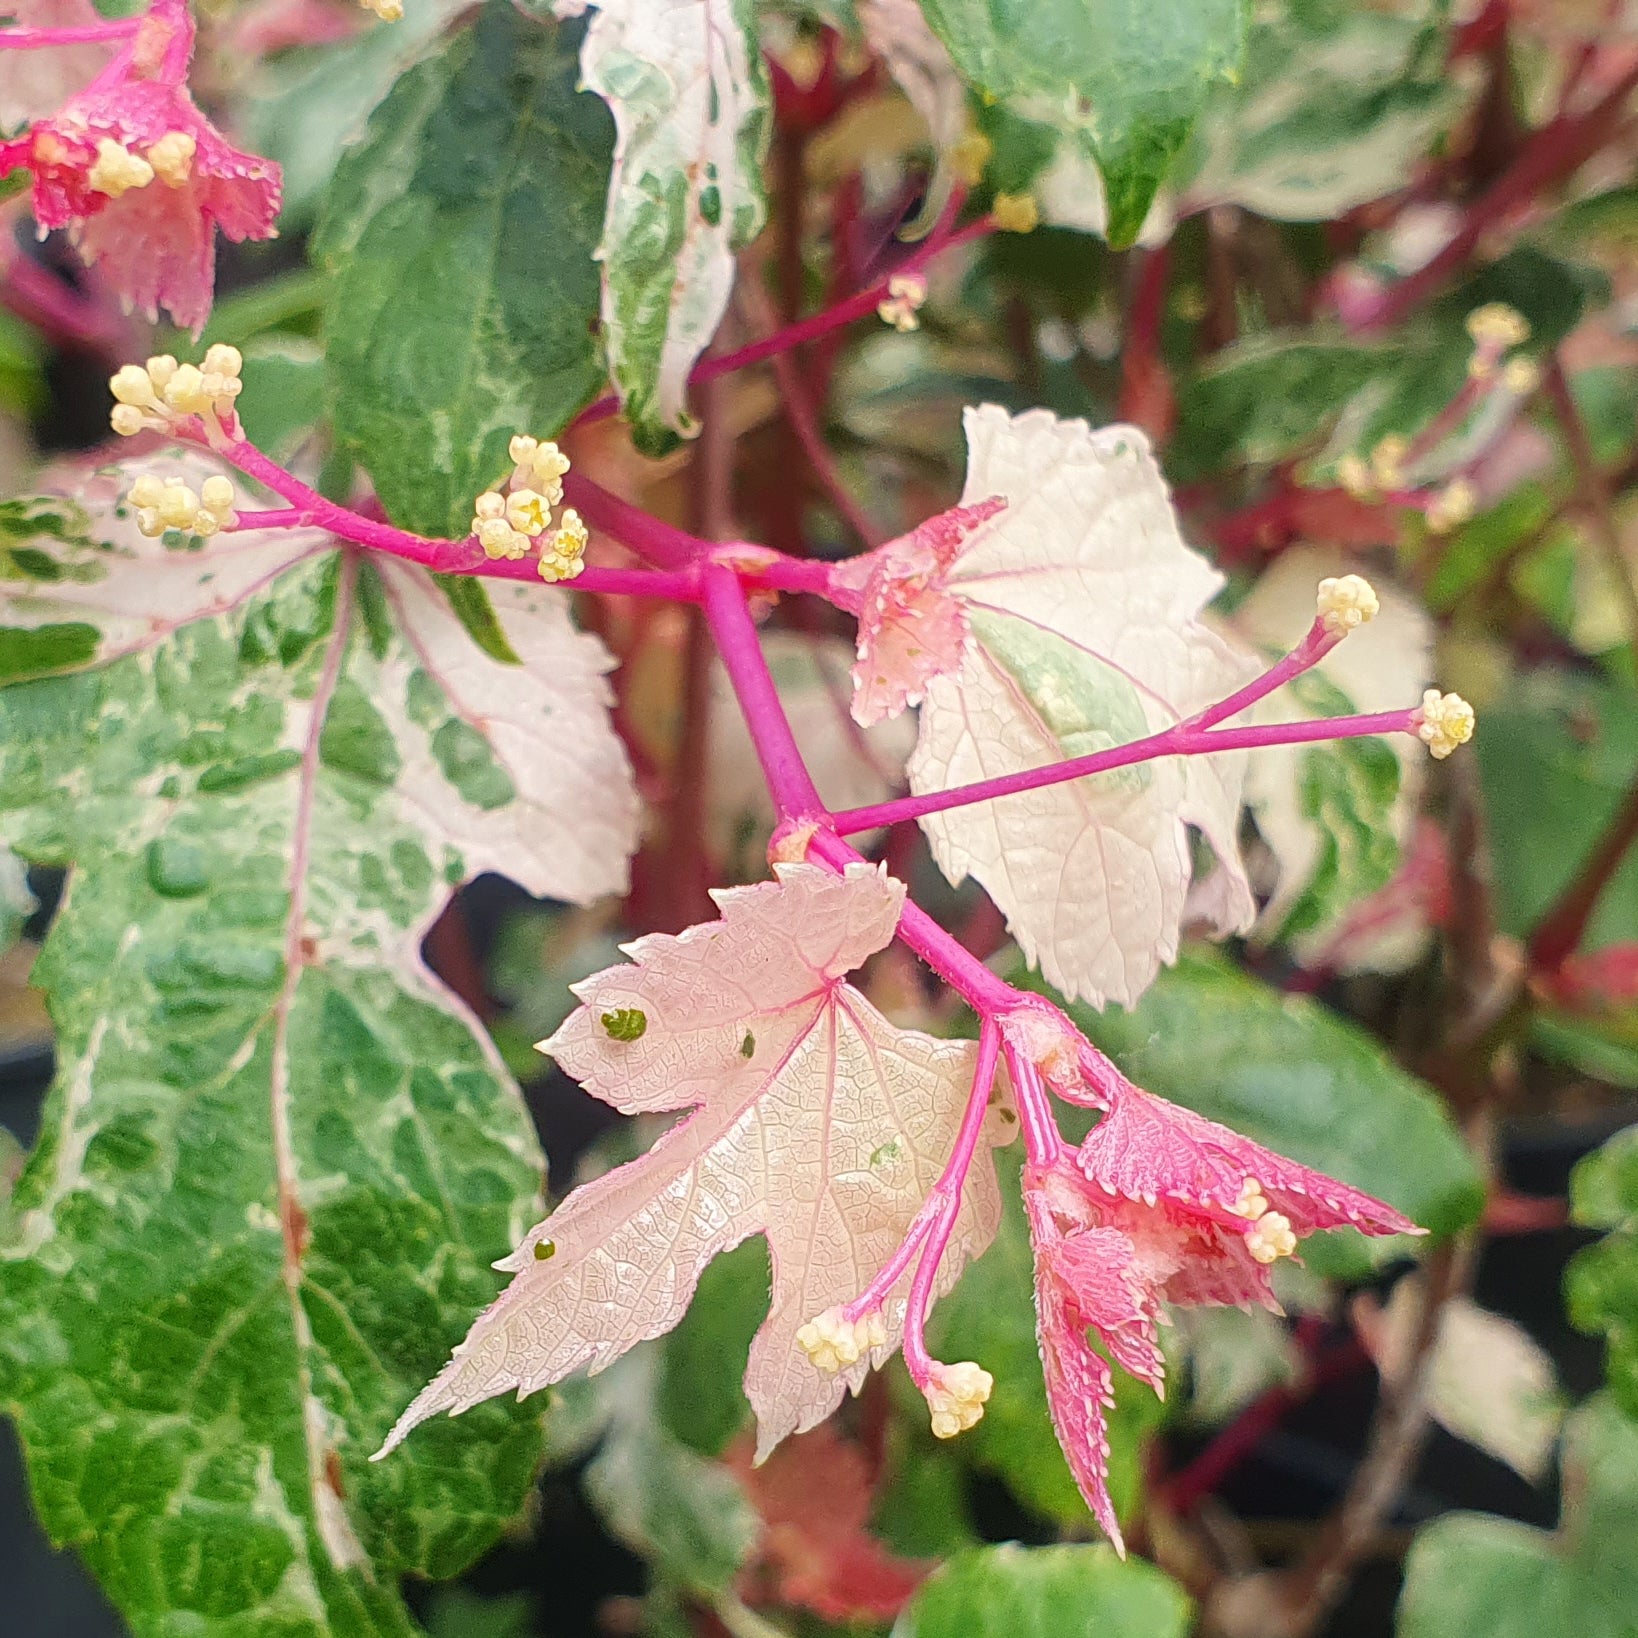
(816, 1123)
(920, 65)
(1084, 605)
(690, 99)
(517, 765)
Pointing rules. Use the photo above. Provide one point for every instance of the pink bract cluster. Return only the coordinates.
(142, 180)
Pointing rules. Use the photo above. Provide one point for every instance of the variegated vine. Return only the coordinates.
(1077, 719)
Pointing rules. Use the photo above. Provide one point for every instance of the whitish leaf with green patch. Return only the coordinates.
(1295, 1077)
(1125, 78)
(1336, 816)
(277, 1155)
(1336, 107)
(897, 33)
(460, 233)
(691, 109)
(816, 1124)
(1046, 1592)
(1083, 607)
(1471, 1575)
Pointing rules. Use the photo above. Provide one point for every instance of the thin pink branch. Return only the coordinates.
(39, 39)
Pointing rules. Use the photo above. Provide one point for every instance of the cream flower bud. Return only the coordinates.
(146, 491)
(1452, 506)
(161, 367)
(205, 525)
(833, 1342)
(178, 505)
(1252, 1203)
(521, 448)
(905, 294)
(528, 512)
(1521, 376)
(543, 471)
(126, 420)
(1016, 212)
(499, 539)
(150, 523)
(130, 384)
(489, 505)
(1387, 470)
(1270, 1237)
(389, 11)
(1497, 325)
(1355, 477)
(1447, 721)
(1345, 603)
(956, 1395)
(216, 500)
(117, 170)
(172, 158)
(562, 557)
(222, 359)
(185, 391)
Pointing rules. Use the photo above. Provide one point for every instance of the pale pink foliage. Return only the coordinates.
(816, 1123)
(1149, 1211)
(910, 628)
(157, 241)
(36, 83)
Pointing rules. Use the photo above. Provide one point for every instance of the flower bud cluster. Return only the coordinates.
(1345, 602)
(1496, 328)
(389, 11)
(514, 523)
(956, 1396)
(155, 395)
(1446, 722)
(163, 504)
(833, 1342)
(905, 294)
(118, 170)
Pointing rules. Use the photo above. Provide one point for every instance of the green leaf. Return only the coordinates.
(1602, 1281)
(700, 1398)
(1126, 78)
(1303, 1082)
(1556, 753)
(1347, 789)
(1046, 1592)
(278, 1157)
(990, 1317)
(283, 398)
(1470, 1575)
(690, 97)
(460, 235)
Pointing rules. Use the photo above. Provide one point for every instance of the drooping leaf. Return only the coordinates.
(691, 106)
(277, 1154)
(1335, 108)
(990, 1317)
(460, 236)
(1295, 1077)
(1083, 605)
(1124, 78)
(1470, 1575)
(1046, 1592)
(1602, 1281)
(817, 1124)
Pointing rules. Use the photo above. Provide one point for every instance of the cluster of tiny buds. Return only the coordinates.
(1496, 328)
(905, 294)
(155, 394)
(118, 170)
(956, 1396)
(163, 504)
(1016, 212)
(1345, 602)
(512, 524)
(1383, 473)
(1270, 1236)
(1452, 506)
(1444, 722)
(389, 11)
(833, 1341)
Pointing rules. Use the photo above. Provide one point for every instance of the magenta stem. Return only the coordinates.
(740, 651)
(1181, 740)
(1317, 642)
(37, 39)
(661, 543)
(313, 511)
(947, 1191)
(1042, 1139)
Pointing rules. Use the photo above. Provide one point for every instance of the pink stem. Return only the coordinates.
(661, 543)
(1042, 1139)
(947, 1192)
(312, 510)
(1180, 740)
(37, 39)
(1317, 642)
(740, 651)
(805, 330)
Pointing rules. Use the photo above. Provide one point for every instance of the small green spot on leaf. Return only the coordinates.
(747, 1047)
(176, 869)
(625, 1023)
(248, 770)
(545, 1250)
(33, 652)
(711, 205)
(885, 1155)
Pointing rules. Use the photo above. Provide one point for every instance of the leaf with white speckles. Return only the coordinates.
(816, 1123)
(278, 1154)
(692, 116)
(1083, 605)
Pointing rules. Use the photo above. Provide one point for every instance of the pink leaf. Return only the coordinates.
(815, 1123)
